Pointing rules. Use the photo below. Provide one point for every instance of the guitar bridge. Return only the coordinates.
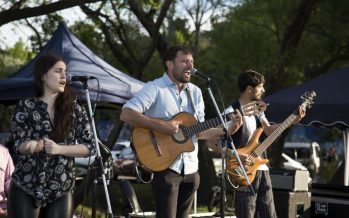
(155, 143)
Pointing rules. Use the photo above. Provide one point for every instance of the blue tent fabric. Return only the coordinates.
(115, 86)
(331, 105)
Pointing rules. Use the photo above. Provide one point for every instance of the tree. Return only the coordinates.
(20, 9)
(201, 12)
(124, 26)
(288, 41)
(13, 58)
(48, 25)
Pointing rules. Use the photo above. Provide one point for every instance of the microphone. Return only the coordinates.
(72, 78)
(197, 73)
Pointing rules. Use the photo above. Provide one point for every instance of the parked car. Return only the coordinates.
(120, 158)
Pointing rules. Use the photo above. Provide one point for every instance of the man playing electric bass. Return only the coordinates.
(251, 86)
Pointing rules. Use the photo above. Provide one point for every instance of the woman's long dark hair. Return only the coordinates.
(63, 105)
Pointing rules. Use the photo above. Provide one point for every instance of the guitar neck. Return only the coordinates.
(202, 126)
(274, 135)
(307, 102)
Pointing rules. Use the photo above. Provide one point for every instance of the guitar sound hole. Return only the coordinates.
(179, 137)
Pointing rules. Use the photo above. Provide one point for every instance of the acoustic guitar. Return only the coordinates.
(157, 151)
(253, 149)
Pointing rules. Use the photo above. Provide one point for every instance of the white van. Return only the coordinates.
(307, 153)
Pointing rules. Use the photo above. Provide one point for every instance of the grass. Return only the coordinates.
(120, 204)
(118, 200)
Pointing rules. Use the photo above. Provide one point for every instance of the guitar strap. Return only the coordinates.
(238, 137)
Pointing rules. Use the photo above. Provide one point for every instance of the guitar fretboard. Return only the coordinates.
(274, 135)
(202, 126)
(189, 131)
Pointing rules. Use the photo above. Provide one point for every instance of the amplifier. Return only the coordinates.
(329, 200)
(292, 204)
(290, 180)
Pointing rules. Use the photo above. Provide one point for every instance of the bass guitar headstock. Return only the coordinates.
(308, 99)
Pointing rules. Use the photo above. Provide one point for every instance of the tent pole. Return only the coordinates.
(346, 159)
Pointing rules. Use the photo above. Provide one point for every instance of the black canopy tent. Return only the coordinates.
(330, 109)
(115, 86)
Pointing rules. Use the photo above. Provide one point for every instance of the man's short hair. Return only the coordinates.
(171, 53)
(250, 78)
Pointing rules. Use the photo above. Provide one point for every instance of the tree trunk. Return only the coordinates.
(16, 13)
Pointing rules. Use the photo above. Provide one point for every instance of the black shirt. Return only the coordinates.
(46, 177)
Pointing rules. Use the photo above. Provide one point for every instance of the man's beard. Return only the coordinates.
(183, 80)
(254, 98)
(180, 78)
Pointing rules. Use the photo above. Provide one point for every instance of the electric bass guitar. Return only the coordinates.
(253, 149)
(157, 151)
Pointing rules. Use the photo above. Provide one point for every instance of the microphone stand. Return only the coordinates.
(98, 159)
(223, 153)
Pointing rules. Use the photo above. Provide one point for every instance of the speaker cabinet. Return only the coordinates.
(329, 200)
(290, 180)
(292, 204)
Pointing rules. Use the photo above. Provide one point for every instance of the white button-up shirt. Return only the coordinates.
(161, 99)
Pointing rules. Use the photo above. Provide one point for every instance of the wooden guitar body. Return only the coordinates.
(157, 151)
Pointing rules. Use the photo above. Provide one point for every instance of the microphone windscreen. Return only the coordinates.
(193, 71)
(69, 78)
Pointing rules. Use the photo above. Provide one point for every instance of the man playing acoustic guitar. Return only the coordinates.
(247, 204)
(153, 112)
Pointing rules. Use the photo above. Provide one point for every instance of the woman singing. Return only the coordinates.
(49, 131)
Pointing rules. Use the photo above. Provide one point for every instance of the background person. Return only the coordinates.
(6, 169)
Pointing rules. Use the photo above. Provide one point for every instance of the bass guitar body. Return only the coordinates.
(254, 150)
(234, 169)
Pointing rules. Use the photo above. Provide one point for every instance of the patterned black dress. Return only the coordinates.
(43, 176)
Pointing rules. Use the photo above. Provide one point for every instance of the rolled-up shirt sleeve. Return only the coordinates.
(144, 99)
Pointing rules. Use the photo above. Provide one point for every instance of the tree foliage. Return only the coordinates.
(288, 41)
(132, 30)
(17, 10)
(13, 58)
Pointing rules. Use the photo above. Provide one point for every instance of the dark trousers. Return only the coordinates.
(20, 204)
(261, 204)
(174, 193)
